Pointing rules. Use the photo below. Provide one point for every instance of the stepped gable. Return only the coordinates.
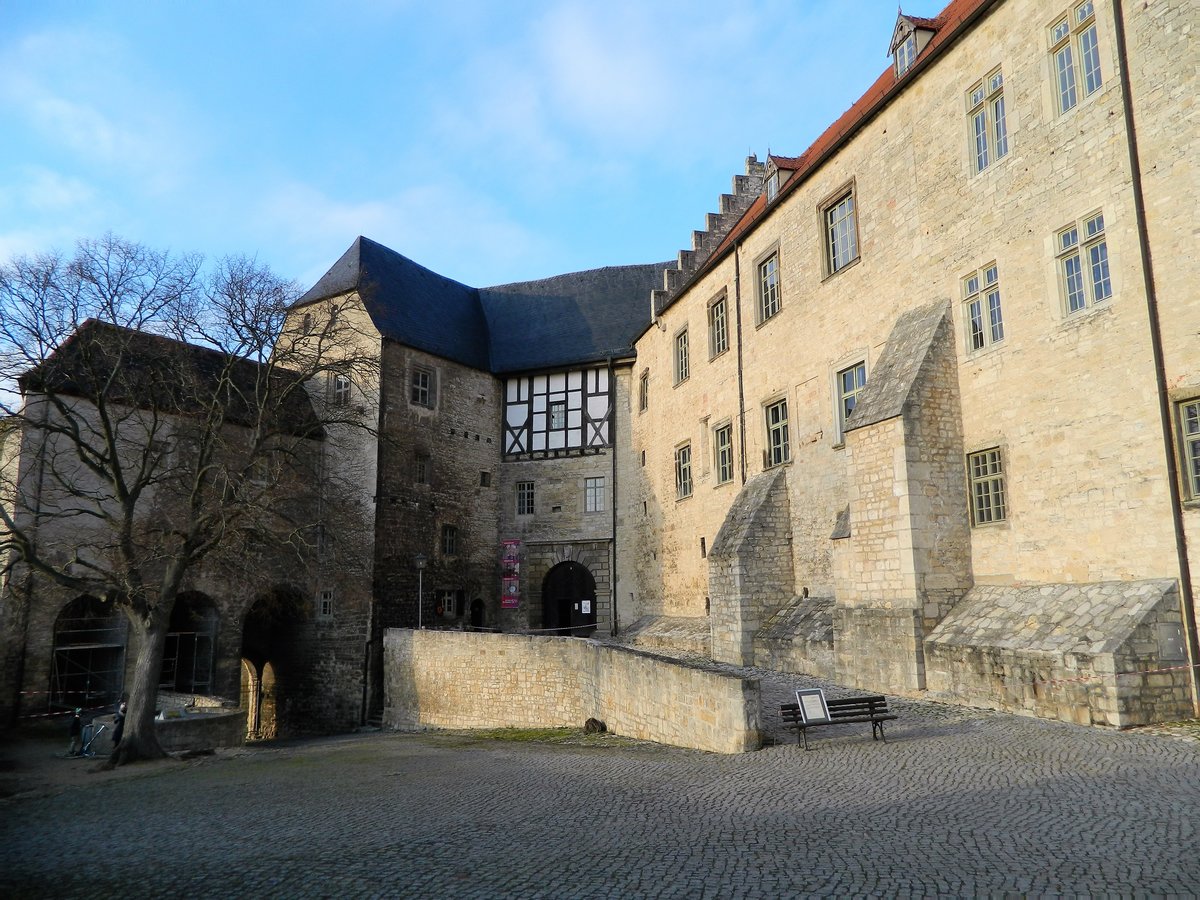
(409, 303)
(947, 26)
(731, 208)
(582, 317)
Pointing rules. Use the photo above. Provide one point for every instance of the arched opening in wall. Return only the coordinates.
(269, 653)
(569, 599)
(259, 700)
(87, 665)
(250, 694)
(189, 652)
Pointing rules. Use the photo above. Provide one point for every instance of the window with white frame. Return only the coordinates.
(557, 418)
(339, 389)
(850, 383)
(593, 495)
(989, 126)
(778, 449)
(1189, 426)
(906, 54)
(644, 392)
(1083, 264)
(841, 232)
(524, 498)
(325, 605)
(718, 329)
(683, 471)
(772, 185)
(681, 356)
(985, 470)
(768, 287)
(723, 447)
(449, 540)
(1075, 54)
(981, 308)
(421, 386)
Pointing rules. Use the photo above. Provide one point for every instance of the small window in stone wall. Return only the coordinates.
(985, 471)
(325, 605)
(1189, 426)
(449, 540)
(525, 498)
(422, 386)
(485, 479)
(593, 495)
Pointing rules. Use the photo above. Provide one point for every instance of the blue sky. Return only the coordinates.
(490, 141)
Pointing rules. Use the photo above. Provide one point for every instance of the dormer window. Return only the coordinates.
(906, 54)
(909, 38)
(772, 185)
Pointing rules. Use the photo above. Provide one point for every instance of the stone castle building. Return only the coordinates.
(919, 410)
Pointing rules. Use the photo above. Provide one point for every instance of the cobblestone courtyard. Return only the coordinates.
(957, 802)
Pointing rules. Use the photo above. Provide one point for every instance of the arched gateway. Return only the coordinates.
(569, 599)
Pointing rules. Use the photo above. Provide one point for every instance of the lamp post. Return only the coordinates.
(419, 562)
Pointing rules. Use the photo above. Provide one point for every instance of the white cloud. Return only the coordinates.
(44, 191)
(440, 225)
(606, 69)
(85, 95)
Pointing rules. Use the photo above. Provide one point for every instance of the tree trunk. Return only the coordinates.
(140, 740)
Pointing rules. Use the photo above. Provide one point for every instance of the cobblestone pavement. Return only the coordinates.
(957, 802)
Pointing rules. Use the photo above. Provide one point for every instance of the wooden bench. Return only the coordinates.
(873, 709)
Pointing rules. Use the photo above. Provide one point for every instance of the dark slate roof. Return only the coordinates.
(409, 303)
(148, 371)
(555, 322)
(578, 318)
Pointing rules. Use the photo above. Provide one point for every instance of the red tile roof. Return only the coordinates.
(947, 25)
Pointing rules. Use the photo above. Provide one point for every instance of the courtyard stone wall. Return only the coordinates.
(447, 679)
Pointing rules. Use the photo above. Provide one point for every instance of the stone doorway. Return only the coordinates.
(569, 600)
(270, 673)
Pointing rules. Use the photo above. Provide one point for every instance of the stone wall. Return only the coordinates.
(559, 529)
(908, 535)
(798, 638)
(468, 680)
(750, 567)
(1109, 653)
(457, 442)
(1086, 488)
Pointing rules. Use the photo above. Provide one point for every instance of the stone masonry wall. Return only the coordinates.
(469, 680)
(559, 528)
(926, 220)
(1108, 653)
(458, 439)
(750, 567)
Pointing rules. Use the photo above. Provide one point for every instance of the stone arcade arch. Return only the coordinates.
(569, 599)
(87, 665)
(269, 653)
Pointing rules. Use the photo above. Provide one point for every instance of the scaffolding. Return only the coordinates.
(88, 663)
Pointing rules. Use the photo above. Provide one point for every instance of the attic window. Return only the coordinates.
(772, 185)
(906, 54)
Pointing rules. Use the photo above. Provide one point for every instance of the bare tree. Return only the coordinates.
(165, 419)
